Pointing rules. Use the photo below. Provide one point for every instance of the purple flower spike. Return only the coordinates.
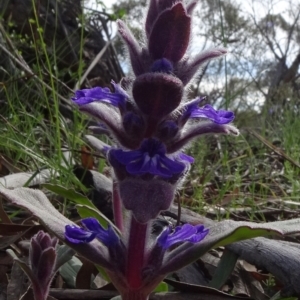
(185, 233)
(150, 158)
(87, 96)
(217, 116)
(170, 35)
(77, 235)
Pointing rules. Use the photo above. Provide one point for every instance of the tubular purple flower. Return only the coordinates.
(185, 233)
(150, 158)
(188, 108)
(77, 235)
(217, 116)
(192, 110)
(107, 236)
(93, 229)
(86, 96)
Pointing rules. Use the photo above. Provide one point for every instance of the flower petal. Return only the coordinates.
(77, 235)
(150, 158)
(217, 116)
(186, 158)
(174, 166)
(125, 157)
(185, 233)
(86, 96)
(107, 236)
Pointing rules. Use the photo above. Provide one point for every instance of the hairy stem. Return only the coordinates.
(117, 207)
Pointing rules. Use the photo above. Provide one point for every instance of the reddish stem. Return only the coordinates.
(134, 295)
(136, 254)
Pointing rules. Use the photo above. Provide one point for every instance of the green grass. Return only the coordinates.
(34, 134)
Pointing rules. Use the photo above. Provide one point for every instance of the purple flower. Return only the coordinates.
(188, 108)
(217, 116)
(185, 233)
(192, 110)
(87, 96)
(150, 158)
(93, 229)
(77, 235)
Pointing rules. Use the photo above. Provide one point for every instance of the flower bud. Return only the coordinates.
(42, 259)
(170, 34)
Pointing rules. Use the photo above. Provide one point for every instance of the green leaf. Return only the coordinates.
(64, 254)
(103, 273)
(224, 269)
(277, 296)
(69, 270)
(84, 206)
(87, 212)
(162, 287)
(244, 233)
(69, 194)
